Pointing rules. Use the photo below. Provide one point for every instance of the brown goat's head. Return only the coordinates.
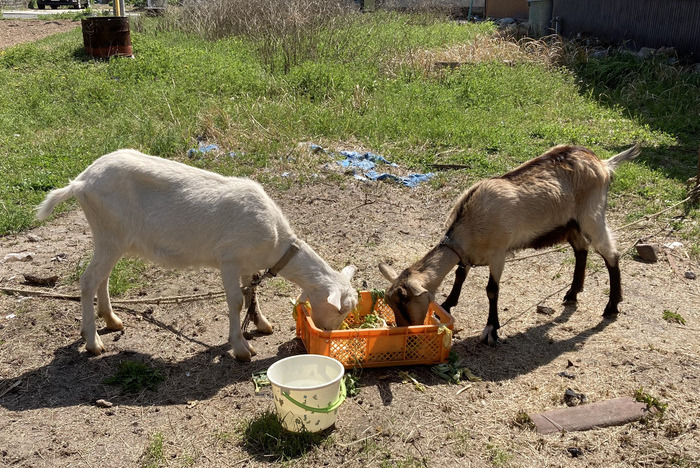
(406, 296)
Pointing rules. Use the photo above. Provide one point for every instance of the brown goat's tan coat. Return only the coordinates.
(559, 196)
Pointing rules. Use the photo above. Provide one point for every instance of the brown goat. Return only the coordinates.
(559, 196)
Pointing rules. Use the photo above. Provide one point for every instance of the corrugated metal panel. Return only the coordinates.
(640, 23)
(517, 9)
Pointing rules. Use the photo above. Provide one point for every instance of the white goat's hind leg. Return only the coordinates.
(104, 307)
(252, 306)
(97, 273)
(234, 298)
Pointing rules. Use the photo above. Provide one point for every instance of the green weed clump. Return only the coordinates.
(152, 456)
(266, 436)
(134, 377)
(673, 317)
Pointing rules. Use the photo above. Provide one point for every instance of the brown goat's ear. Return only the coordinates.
(416, 288)
(387, 272)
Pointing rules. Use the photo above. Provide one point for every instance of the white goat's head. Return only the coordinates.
(329, 309)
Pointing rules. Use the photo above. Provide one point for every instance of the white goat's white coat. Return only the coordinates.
(181, 216)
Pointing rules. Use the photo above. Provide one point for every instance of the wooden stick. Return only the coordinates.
(155, 300)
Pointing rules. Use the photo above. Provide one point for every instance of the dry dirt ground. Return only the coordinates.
(49, 384)
(14, 32)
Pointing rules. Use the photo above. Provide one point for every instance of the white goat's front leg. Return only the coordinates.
(104, 307)
(234, 298)
(94, 279)
(252, 306)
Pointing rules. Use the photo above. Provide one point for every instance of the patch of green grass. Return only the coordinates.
(134, 377)
(266, 436)
(225, 437)
(353, 80)
(673, 317)
(152, 456)
(126, 275)
(463, 439)
(407, 462)
(497, 455)
(651, 401)
(523, 421)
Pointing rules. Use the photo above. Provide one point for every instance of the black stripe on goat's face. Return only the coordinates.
(409, 309)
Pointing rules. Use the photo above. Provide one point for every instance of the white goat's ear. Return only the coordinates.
(349, 271)
(334, 298)
(416, 288)
(388, 272)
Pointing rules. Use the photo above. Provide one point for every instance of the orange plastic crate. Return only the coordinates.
(429, 343)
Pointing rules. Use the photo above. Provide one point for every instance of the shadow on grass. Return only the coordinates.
(267, 440)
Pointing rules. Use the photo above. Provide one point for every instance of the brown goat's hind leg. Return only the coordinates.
(579, 275)
(453, 298)
(615, 287)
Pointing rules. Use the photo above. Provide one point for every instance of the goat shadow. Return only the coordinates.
(525, 351)
(517, 355)
(74, 377)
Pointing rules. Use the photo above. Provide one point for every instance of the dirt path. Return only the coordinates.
(13, 32)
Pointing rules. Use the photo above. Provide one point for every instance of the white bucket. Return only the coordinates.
(307, 389)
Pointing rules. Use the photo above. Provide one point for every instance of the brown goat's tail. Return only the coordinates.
(626, 155)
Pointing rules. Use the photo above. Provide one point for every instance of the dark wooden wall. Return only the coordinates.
(641, 23)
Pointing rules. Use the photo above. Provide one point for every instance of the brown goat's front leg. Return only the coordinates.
(490, 335)
(453, 298)
(615, 287)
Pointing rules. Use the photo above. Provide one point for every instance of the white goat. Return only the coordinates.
(559, 196)
(181, 216)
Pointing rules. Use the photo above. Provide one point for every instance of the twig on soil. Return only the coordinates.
(10, 388)
(155, 300)
(359, 440)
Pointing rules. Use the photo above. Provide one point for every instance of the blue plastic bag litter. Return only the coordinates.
(366, 162)
(357, 156)
(410, 180)
(202, 148)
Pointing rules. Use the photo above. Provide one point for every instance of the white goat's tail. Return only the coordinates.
(626, 155)
(53, 199)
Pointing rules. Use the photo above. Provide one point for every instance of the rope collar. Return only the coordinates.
(457, 249)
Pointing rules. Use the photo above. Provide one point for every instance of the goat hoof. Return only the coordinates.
(570, 299)
(263, 326)
(97, 348)
(114, 323)
(243, 357)
(489, 336)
